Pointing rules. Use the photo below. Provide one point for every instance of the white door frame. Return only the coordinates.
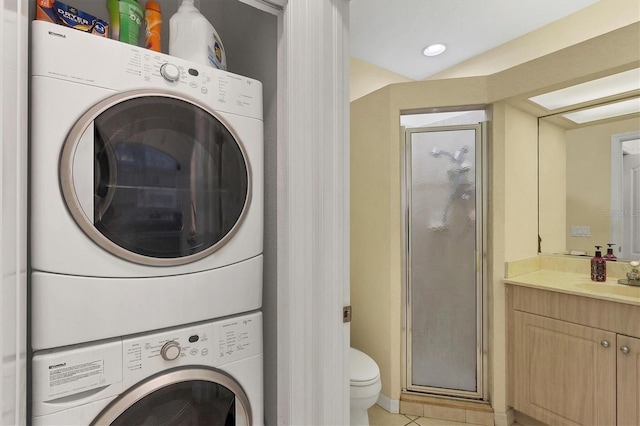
(313, 214)
(14, 24)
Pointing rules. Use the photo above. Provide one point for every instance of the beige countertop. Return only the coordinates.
(578, 284)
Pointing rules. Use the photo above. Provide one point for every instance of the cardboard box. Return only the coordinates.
(63, 14)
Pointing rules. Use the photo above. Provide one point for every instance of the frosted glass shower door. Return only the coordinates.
(444, 260)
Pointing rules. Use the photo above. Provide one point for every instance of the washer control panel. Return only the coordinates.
(213, 344)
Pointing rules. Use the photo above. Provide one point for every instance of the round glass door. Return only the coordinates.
(185, 396)
(171, 182)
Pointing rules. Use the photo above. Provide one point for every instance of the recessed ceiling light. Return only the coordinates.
(595, 89)
(434, 49)
(616, 109)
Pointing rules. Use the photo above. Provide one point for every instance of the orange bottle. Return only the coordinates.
(153, 25)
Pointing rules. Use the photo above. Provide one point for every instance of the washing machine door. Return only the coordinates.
(184, 396)
(155, 178)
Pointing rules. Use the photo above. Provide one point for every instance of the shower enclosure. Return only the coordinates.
(444, 261)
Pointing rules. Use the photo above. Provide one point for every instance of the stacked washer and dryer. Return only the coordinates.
(146, 236)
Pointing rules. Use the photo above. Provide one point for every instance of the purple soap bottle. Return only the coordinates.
(598, 266)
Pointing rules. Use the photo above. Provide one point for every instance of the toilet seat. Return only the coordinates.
(364, 371)
(364, 383)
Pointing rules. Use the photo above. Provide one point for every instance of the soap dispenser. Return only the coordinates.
(598, 266)
(610, 256)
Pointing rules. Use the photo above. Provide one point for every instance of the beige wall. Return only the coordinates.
(553, 187)
(365, 78)
(521, 187)
(374, 328)
(512, 225)
(589, 182)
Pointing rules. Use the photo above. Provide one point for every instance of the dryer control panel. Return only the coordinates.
(143, 67)
(212, 344)
(110, 64)
(221, 90)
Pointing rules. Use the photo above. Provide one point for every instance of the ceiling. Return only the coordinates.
(392, 34)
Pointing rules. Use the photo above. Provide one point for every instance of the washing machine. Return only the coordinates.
(146, 189)
(205, 374)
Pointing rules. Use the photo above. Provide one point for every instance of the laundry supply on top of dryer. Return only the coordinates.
(153, 25)
(125, 18)
(69, 16)
(192, 37)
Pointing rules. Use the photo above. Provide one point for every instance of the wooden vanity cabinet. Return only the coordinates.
(563, 373)
(572, 359)
(628, 381)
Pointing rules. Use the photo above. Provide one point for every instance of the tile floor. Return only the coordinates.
(378, 416)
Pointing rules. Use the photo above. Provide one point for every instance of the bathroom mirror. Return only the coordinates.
(583, 201)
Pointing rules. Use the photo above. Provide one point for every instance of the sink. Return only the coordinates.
(607, 288)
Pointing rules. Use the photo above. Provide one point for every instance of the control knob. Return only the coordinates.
(170, 72)
(170, 350)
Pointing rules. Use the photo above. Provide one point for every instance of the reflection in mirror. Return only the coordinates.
(625, 193)
(589, 185)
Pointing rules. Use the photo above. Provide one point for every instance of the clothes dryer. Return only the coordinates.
(206, 374)
(146, 189)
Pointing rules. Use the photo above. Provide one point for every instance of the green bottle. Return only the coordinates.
(126, 17)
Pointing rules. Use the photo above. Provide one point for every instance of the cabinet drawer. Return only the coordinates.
(606, 315)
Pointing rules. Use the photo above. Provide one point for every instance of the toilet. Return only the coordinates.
(364, 387)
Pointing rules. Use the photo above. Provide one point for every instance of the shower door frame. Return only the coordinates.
(482, 345)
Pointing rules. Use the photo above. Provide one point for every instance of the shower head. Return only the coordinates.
(459, 154)
(457, 157)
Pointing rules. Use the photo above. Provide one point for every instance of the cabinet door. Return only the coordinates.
(565, 374)
(628, 381)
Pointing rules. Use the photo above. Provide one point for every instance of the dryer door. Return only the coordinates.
(154, 178)
(185, 396)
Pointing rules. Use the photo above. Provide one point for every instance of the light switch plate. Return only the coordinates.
(580, 231)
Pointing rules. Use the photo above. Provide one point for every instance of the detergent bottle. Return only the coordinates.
(192, 37)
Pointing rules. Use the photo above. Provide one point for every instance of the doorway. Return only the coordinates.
(631, 199)
(625, 205)
(444, 261)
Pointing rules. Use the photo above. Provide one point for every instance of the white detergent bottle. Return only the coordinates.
(192, 37)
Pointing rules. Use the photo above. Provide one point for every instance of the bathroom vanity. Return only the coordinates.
(574, 349)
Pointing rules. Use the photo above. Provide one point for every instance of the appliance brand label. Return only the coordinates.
(68, 378)
(63, 373)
